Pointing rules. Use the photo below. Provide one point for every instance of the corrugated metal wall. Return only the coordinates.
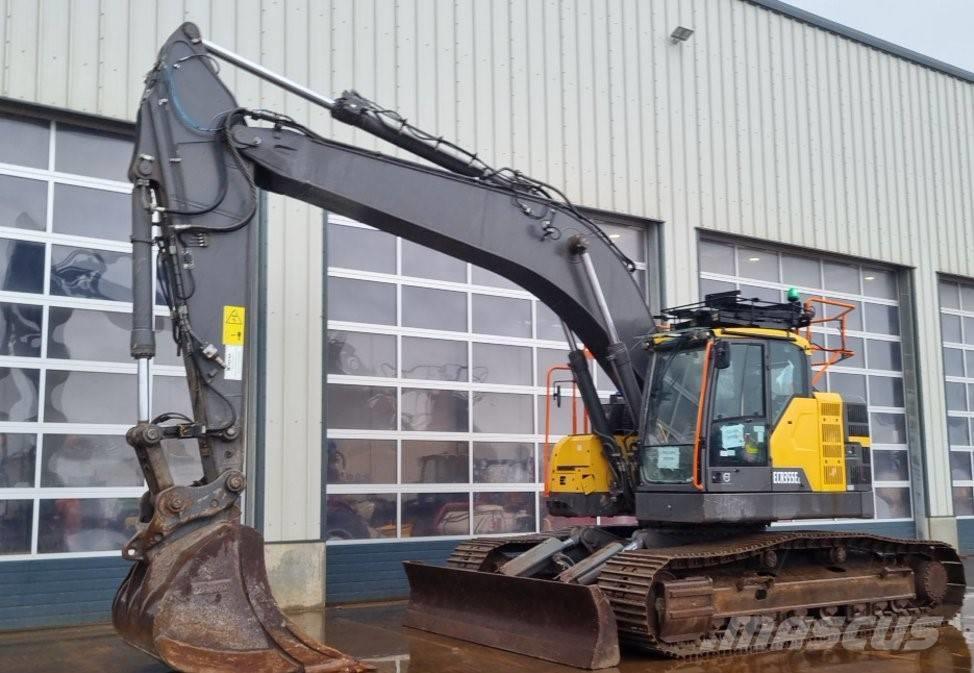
(759, 125)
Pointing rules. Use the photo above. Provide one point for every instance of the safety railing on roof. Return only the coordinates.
(831, 355)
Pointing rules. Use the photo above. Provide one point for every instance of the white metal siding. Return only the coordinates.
(759, 125)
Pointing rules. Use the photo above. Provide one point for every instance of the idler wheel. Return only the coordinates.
(931, 581)
(838, 555)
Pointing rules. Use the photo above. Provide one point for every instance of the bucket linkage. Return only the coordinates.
(198, 596)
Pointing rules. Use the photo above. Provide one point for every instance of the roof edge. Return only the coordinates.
(864, 38)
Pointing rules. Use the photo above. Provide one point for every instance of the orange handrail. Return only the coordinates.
(834, 355)
(547, 414)
(698, 438)
(547, 418)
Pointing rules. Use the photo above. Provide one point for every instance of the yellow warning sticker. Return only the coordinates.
(233, 325)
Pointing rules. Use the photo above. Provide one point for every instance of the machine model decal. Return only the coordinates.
(790, 478)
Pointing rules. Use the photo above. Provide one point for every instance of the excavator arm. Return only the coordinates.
(198, 593)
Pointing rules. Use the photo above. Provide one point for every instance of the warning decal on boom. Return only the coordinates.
(233, 325)
(233, 341)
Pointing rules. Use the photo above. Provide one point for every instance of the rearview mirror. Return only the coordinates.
(722, 355)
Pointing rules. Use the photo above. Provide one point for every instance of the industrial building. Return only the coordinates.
(723, 144)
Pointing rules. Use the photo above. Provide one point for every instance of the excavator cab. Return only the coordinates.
(731, 435)
(732, 429)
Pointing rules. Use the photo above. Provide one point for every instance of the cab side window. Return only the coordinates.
(740, 387)
(738, 432)
(789, 376)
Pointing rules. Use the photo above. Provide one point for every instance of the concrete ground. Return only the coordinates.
(373, 633)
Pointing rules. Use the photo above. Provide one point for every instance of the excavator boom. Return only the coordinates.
(197, 595)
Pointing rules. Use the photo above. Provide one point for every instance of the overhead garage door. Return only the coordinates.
(957, 332)
(874, 374)
(69, 484)
(435, 403)
(436, 389)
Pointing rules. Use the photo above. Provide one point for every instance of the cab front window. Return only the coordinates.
(670, 433)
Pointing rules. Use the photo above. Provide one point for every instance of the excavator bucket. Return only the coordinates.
(202, 604)
(569, 624)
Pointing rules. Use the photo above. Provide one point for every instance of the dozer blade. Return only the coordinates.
(202, 604)
(568, 624)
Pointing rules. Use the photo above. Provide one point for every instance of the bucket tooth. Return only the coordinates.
(202, 603)
(568, 624)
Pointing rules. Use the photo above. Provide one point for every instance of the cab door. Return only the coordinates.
(739, 411)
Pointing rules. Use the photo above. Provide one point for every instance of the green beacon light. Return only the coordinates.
(793, 294)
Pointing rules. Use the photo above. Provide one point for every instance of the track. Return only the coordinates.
(478, 553)
(700, 575)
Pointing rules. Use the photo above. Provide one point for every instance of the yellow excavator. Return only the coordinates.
(716, 429)
(732, 435)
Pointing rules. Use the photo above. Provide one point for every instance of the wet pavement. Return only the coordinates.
(373, 633)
